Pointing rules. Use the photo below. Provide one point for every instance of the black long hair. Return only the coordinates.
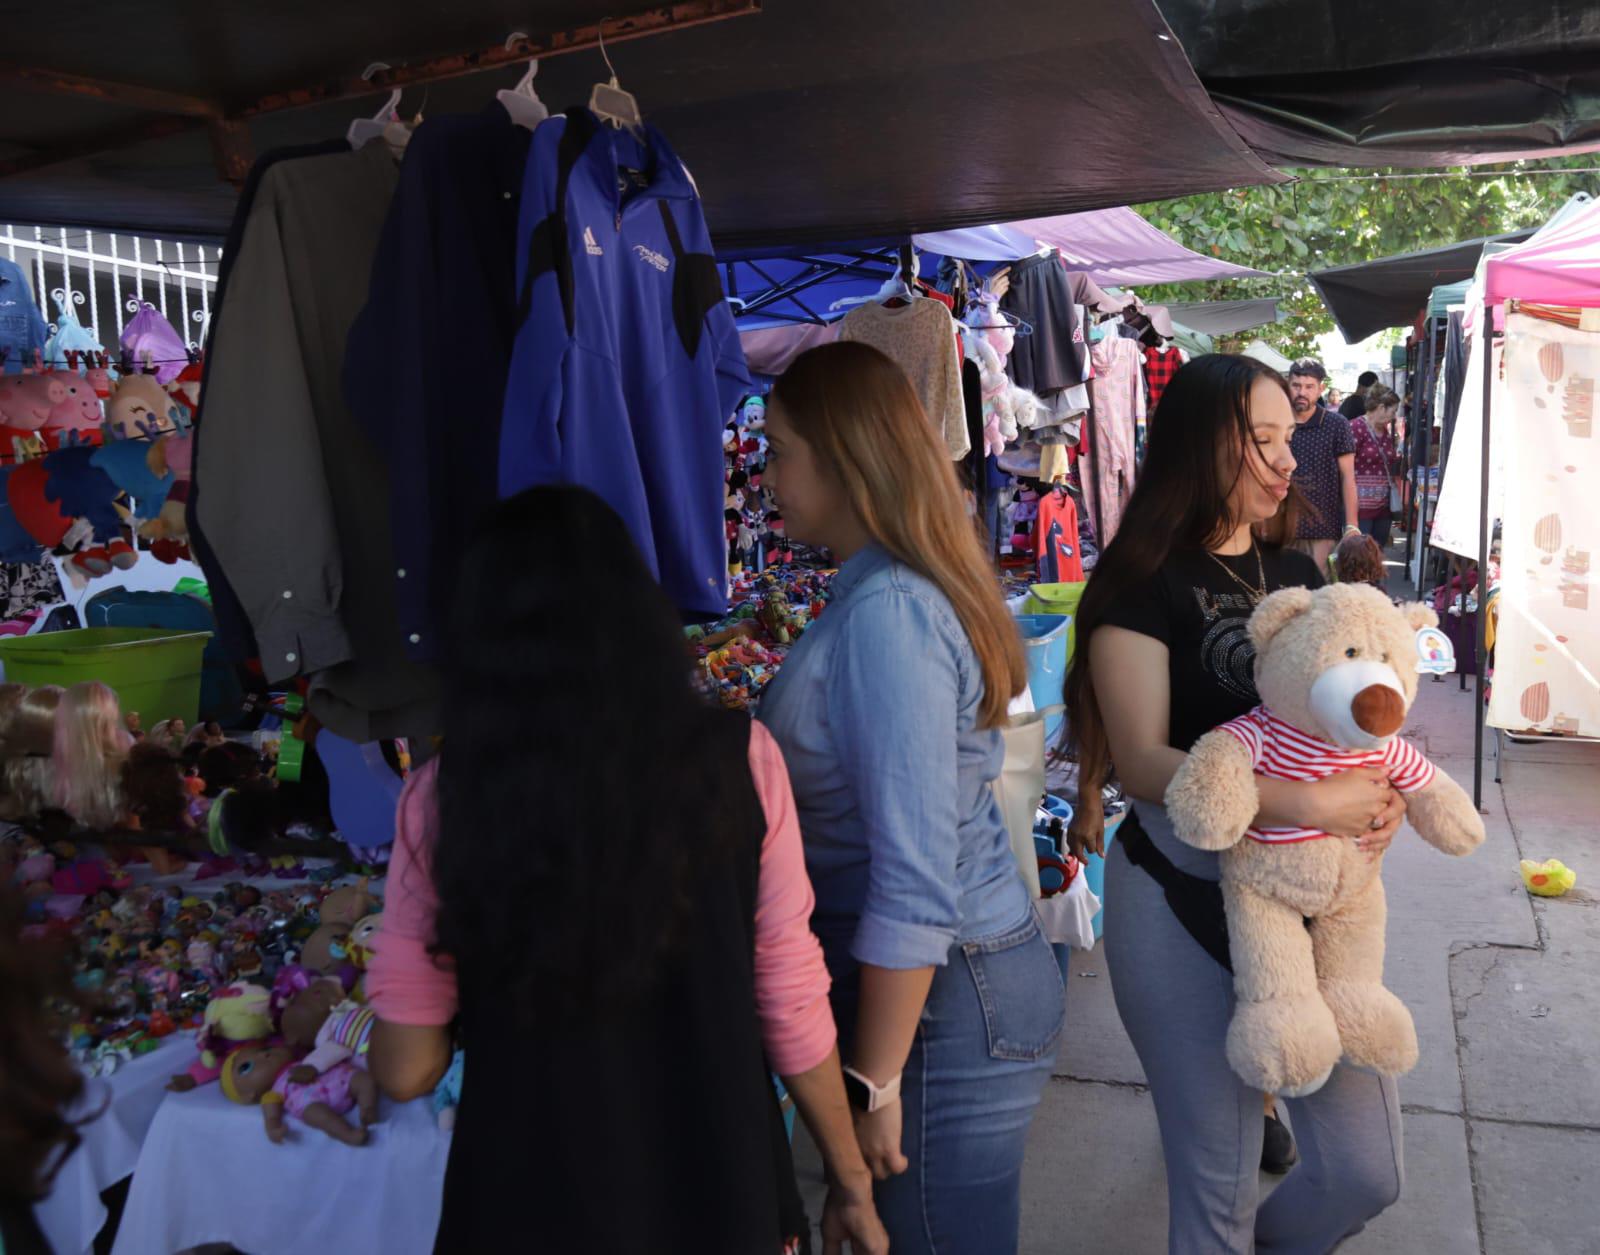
(578, 799)
(1179, 502)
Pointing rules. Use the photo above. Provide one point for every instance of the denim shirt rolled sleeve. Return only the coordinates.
(876, 710)
(892, 696)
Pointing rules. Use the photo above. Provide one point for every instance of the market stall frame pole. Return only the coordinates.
(1427, 447)
(1483, 562)
(181, 113)
(1411, 504)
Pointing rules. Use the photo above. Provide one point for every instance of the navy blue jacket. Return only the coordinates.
(627, 363)
(426, 360)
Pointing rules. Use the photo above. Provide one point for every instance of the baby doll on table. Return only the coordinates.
(265, 1075)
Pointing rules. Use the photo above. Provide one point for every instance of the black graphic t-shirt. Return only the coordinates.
(1192, 607)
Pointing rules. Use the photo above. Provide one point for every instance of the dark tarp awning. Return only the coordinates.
(810, 120)
(1380, 83)
(1369, 296)
(1220, 318)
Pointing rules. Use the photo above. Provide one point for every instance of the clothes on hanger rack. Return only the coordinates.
(1119, 405)
(627, 362)
(294, 496)
(1056, 355)
(427, 358)
(1160, 365)
(1055, 538)
(919, 337)
(234, 628)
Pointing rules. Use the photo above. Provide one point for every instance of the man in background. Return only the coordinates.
(1325, 464)
(1355, 405)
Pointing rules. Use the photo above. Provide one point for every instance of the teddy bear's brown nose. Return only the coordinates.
(1378, 709)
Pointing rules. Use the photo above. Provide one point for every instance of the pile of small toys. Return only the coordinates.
(148, 957)
(741, 653)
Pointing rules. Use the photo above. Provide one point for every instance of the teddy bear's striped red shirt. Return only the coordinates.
(1279, 751)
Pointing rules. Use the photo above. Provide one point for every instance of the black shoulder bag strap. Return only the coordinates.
(1196, 902)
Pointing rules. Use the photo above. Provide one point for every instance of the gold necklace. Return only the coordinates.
(1255, 594)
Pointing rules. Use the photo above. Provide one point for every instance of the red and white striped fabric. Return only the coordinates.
(1279, 751)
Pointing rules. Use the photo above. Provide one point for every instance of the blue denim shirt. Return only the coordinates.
(876, 712)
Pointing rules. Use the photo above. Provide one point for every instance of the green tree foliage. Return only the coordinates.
(1329, 218)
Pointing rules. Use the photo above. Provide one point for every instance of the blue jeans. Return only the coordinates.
(1377, 528)
(983, 1051)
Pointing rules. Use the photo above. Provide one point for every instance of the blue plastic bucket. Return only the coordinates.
(1044, 640)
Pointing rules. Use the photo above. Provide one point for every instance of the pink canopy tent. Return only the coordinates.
(1558, 266)
(1118, 246)
(1111, 246)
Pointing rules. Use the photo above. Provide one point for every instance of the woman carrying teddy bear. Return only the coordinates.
(1166, 658)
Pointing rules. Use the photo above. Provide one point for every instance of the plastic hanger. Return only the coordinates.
(521, 101)
(900, 286)
(365, 130)
(610, 103)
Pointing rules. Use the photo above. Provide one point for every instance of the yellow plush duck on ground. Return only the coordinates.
(1549, 879)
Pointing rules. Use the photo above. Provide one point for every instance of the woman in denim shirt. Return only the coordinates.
(948, 999)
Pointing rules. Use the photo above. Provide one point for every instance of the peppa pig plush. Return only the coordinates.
(26, 402)
(77, 418)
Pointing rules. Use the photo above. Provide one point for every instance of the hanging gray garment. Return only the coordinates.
(296, 500)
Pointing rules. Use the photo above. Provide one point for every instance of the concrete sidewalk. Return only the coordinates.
(1502, 1114)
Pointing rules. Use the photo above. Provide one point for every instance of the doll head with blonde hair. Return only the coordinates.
(29, 734)
(91, 743)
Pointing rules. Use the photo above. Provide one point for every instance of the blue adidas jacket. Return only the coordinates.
(627, 362)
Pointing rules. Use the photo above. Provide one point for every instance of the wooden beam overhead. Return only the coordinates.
(104, 140)
(657, 21)
(153, 99)
(229, 135)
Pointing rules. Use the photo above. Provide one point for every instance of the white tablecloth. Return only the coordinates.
(208, 1174)
(74, 1214)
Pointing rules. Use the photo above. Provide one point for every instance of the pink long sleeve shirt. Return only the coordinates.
(405, 985)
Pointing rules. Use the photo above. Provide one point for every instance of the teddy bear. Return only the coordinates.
(1336, 669)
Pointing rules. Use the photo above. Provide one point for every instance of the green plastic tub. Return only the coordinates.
(1057, 599)
(155, 671)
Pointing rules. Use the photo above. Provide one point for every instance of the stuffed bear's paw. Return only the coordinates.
(1212, 799)
(1285, 1046)
(1374, 1026)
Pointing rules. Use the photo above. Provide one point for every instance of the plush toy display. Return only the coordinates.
(153, 343)
(236, 1016)
(343, 1036)
(349, 904)
(327, 951)
(26, 403)
(262, 1074)
(77, 418)
(988, 342)
(305, 1014)
(140, 406)
(1337, 670)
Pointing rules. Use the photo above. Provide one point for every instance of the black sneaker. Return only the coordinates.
(1278, 1153)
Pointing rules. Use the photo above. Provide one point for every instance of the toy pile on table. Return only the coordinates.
(150, 957)
(740, 653)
